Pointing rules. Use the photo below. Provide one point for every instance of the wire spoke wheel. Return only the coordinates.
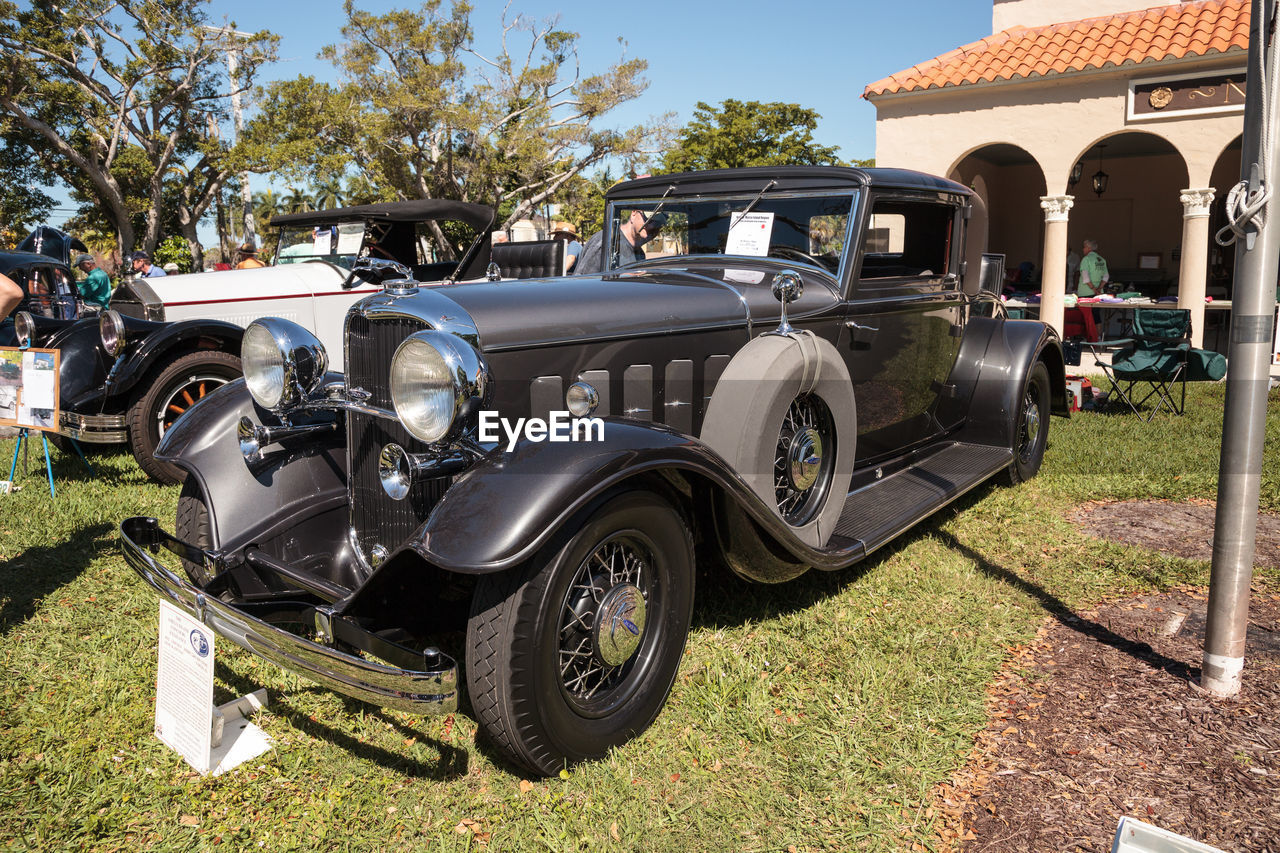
(602, 622)
(804, 459)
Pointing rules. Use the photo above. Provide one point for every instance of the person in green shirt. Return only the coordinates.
(1094, 274)
(96, 287)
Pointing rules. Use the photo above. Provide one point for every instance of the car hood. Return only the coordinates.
(539, 312)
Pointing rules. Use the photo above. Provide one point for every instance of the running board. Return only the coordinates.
(879, 512)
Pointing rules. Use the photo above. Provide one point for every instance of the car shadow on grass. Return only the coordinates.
(37, 572)
(1059, 610)
(452, 764)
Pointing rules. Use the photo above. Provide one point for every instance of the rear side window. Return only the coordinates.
(908, 239)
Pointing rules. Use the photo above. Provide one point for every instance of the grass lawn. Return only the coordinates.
(816, 715)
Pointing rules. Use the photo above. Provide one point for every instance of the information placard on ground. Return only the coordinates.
(210, 739)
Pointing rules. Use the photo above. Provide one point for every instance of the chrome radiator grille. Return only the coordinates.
(376, 518)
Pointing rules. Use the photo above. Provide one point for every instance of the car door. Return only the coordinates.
(903, 319)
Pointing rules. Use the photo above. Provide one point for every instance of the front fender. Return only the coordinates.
(504, 508)
(185, 335)
(251, 503)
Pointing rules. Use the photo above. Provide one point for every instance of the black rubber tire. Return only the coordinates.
(514, 679)
(147, 419)
(1031, 429)
(191, 525)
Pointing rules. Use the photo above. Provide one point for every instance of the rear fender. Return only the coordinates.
(1012, 348)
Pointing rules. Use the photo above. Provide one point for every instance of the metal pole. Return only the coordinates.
(1248, 378)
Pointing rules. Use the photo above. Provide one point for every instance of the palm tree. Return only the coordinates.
(298, 202)
(266, 204)
(328, 194)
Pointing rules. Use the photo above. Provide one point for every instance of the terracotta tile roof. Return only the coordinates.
(1149, 35)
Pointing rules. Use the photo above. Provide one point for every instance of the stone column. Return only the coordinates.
(1193, 272)
(1053, 267)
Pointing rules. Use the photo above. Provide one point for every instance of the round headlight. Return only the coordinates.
(282, 362)
(111, 330)
(24, 327)
(435, 377)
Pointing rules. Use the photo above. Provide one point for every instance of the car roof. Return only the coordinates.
(11, 258)
(754, 178)
(478, 216)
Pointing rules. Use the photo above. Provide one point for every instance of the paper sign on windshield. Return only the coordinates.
(350, 235)
(322, 241)
(749, 234)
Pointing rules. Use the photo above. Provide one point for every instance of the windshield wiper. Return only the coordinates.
(754, 202)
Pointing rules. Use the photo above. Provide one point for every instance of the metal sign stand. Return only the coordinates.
(23, 434)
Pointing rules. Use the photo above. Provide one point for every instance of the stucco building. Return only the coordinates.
(1088, 119)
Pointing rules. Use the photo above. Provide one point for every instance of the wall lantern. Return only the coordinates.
(1077, 171)
(1100, 178)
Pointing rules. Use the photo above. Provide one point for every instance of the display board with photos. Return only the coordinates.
(29, 388)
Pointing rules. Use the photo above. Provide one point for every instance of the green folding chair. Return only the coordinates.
(1156, 361)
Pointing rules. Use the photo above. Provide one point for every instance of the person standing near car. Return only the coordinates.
(248, 257)
(633, 234)
(96, 286)
(10, 297)
(142, 265)
(1094, 274)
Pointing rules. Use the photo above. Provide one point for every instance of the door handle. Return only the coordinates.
(860, 336)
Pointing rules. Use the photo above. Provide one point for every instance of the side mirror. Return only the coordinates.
(991, 275)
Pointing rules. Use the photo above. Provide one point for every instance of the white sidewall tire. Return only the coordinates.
(750, 401)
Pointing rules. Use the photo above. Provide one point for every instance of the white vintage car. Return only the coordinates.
(310, 282)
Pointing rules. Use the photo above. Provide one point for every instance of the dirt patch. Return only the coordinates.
(1181, 529)
(1101, 717)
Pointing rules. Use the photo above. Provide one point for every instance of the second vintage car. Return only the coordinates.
(781, 368)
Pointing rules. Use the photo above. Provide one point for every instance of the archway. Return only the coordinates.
(1222, 259)
(1011, 183)
(1137, 218)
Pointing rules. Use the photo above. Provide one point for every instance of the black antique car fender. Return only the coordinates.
(163, 341)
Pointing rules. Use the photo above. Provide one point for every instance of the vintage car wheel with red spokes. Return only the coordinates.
(576, 651)
(166, 397)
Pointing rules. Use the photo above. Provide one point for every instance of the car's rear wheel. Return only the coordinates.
(168, 394)
(1031, 430)
(576, 651)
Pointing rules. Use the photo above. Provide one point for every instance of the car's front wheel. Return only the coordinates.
(576, 651)
(166, 395)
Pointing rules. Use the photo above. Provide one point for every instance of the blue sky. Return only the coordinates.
(820, 54)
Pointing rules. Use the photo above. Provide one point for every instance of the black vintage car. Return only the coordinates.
(797, 367)
(41, 266)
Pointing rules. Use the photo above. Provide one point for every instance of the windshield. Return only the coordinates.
(808, 229)
(338, 244)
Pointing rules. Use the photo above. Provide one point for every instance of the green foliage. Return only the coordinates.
(420, 113)
(173, 250)
(583, 201)
(124, 105)
(748, 133)
(23, 200)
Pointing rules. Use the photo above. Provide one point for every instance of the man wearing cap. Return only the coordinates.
(572, 248)
(634, 233)
(142, 265)
(248, 255)
(96, 286)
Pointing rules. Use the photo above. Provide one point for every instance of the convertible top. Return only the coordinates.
(478, 216)
(754, 178)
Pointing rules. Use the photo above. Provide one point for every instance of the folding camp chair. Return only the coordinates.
(1157, 358)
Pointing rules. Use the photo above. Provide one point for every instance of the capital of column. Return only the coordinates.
(1056, 207)
(1196, 202)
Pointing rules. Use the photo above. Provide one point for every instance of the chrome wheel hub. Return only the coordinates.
(619, 627)
(1030, 425)
(804, 459)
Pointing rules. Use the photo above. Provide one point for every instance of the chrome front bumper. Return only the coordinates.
(94, 429)
(427, 691)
